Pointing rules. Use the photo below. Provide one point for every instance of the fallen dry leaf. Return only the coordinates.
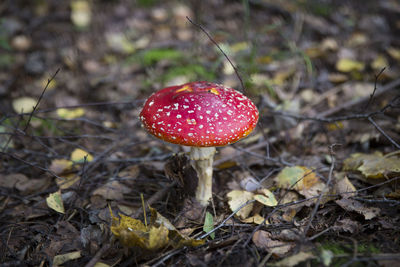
(24, 104)
(301, 179)
(80, 155)
(24, 184)
(373, 165)
(58, 166)
(349, 65)
(160, 233)
(55, 202)
(354, 205)
(343, 186)
(266, 197)
(262, 239)
(294, 259)
(70, 114)
(113, 190)
(290, 211)
(61, 259)
(68, 180)
(257, 219)
(237, 198)
(347, 225)
(81, 13)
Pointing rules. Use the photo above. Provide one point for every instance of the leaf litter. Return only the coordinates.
(312, 91)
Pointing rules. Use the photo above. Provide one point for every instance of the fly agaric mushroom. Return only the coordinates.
(201, 115)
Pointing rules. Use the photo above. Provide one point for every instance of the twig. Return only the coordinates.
(39, 99)
(220, 49)
(319, 234)
(98, 255)
(383, 133)
(390, 86)
(237, 154)
(391, 202)
(11, 135)
(31, 164)
(278, 206)
(334, 119)
(155, 197)
(165, 257)
(316, 206)
(224, 221)
(373, 92)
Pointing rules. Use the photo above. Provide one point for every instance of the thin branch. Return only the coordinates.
(227, 218)
(375, 87)
(220, 49)
(316, 206)
(383, 133)
(98, 255)
(346, 105)
(39, 99)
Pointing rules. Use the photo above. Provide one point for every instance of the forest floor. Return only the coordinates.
(315, 184)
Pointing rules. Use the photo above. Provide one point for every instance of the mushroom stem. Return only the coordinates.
(202, 161)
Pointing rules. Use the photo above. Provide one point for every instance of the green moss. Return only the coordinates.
(192, 72)
(153, 56)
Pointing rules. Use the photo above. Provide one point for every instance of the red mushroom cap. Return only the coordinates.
(200, 114)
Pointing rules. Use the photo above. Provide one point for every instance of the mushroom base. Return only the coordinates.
(202, 161)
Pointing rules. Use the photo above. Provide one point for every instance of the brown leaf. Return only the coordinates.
(112, 190)
(347, 225)
(354, 205)
(343, 186)
(237, 198)
(24, 184)
(262, 239)
(295, 259)
(373, 165)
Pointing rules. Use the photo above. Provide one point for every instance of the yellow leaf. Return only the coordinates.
(81, 13)
(335, 126)
(297, 177)
(394, 52)
(349, 65)
(54, 201)
(240, 46)
(78, 155)
(132, 232)
(372, 165)
(24, 104)
(281, 76)
(264, 60)
(68, 180)
(158, 238)
(50, 85)
(301, 179)
(60, 165)
(357, 39)
(237, 198)
(61, 259)
(70, 113)
(119, 42)
(267, 198)
(379, 62)
(257, 219)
